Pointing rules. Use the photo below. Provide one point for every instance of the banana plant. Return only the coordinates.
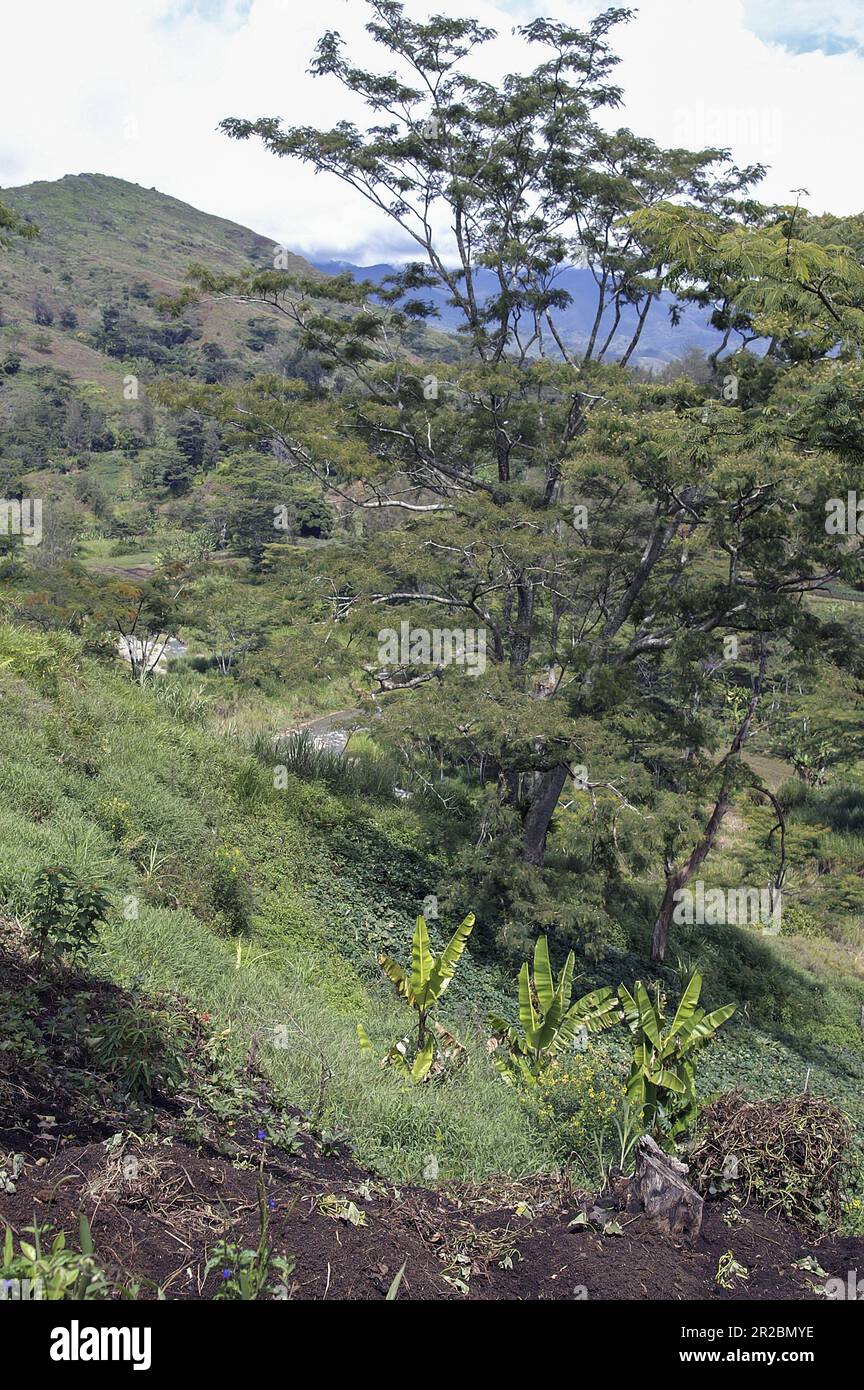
(548, 1023)
(661, 1087)
(421, 987)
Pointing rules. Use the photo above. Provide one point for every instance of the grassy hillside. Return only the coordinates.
(266, 909)
(257, 906)
(104, 241)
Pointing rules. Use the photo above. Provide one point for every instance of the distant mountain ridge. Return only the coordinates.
(661, 341)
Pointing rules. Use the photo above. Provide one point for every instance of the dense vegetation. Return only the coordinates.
(281, 469)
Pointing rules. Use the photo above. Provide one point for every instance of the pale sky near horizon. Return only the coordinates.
(135, 88)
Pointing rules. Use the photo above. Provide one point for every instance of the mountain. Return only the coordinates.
(661, 342)
(105, 242)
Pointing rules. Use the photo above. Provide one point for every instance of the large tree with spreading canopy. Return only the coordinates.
(607, 532)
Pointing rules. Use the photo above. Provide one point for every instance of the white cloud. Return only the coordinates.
(799, 24)
(137, 91)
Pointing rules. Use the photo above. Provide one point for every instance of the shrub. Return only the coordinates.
(799, 921)
(421, 987)
(575, 1104)
(65, 912)
(549, 1023)
(140, 1049)
(661, 1087)
(232, 896)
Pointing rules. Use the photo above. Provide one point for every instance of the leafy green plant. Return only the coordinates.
(287, 1136)
(614, 1144)
(247, 1274)
(574, 1104)
(137, 1046)
(729, 1270)
(65, 911)
(54, 1272)
(232, 896)
(422, 987)
(334, 1143)
(661, 1086)
(549, 1023)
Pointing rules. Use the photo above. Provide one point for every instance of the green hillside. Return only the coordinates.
(267, 908)
(103, 241)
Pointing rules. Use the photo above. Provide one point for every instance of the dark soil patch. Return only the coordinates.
(160, 1228)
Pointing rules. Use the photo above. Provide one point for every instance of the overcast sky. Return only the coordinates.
(135, 88)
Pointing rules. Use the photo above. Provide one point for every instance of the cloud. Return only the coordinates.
(138, 90)
(834, 26)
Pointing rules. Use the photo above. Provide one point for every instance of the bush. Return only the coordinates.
(575, 1105)
(798, 921)
(65, 912)
(232, 896)
(140, 1049)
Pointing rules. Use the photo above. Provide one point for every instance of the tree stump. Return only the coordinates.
(662, 1193)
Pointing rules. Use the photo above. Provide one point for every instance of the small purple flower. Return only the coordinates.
(272, 1203)
(226, 1274)
(262, 1134)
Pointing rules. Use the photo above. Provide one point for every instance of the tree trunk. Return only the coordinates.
(539, 815)
(676, 879)
(663, 1194)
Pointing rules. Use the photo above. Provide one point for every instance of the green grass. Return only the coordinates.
(99, 555)
(129, 787)
(473, 1125)
(108, 779)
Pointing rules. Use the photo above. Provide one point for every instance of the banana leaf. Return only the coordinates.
(648, 1020)
(544, 984)
(394, 972)
(527, 1016)
(422, 963)
(444, 968)
(687, 1004)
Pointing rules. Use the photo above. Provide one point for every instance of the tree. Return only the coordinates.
(214, 363)
(166, 467)
(532, 488)
(230, 621)
(13, 225)
(145, 615)
(260, 333)
(191, 440)
(43, 314)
